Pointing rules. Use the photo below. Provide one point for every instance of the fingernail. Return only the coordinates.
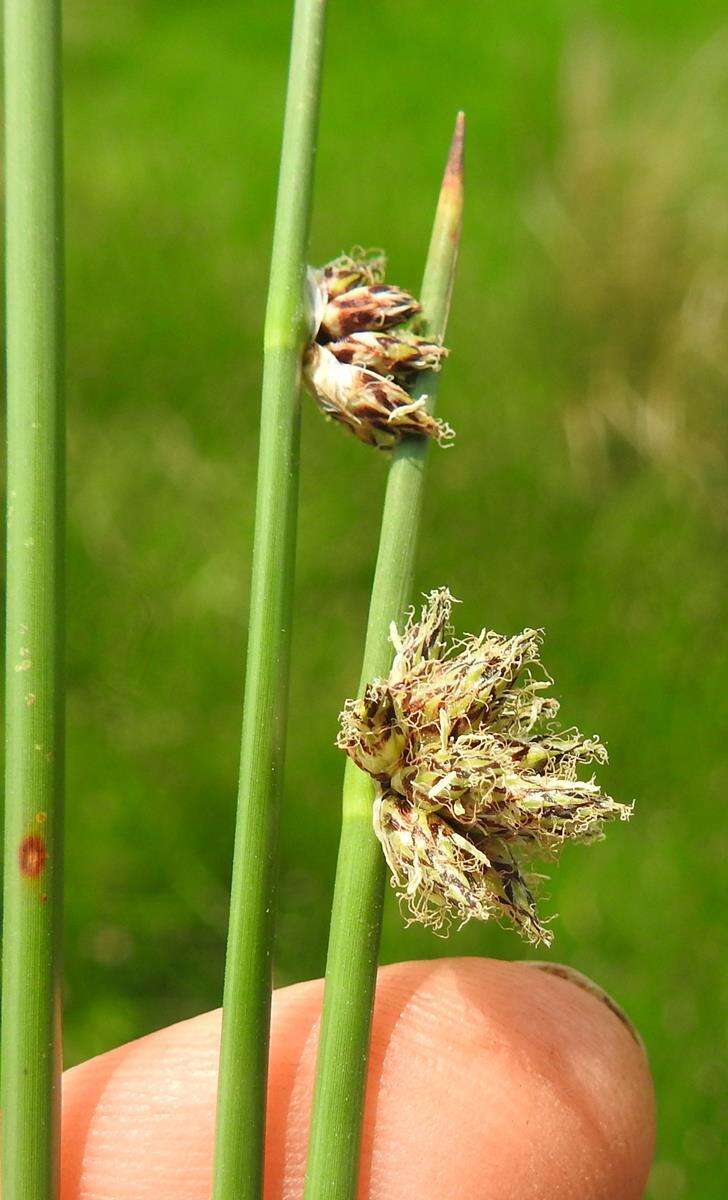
(561, 971)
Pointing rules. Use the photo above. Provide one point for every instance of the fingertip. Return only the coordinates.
(487, 1079)
(606, 1052)
(495, 1080)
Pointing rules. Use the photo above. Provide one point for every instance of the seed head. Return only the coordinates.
(389, 353)
(358, 364)
(474, 779)
(376, 409)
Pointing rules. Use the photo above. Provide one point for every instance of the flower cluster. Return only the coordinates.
(474, 778)
(362, 359)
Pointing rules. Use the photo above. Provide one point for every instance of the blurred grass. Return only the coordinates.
(586, 492)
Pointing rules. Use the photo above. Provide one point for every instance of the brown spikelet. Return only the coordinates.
(389, 353)
(376, 409)
(376, 307)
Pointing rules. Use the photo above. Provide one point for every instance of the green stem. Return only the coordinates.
(238, 1168)
(31, 1018)
(338, 1106)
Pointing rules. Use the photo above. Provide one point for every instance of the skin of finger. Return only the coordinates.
(487, 1079)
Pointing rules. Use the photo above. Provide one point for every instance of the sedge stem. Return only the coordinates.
(238, 1162)
(338, 1105)
(34, 770)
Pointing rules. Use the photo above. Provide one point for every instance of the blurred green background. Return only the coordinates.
(586, 492)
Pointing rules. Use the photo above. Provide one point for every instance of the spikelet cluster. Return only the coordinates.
(362, 358)
(474, 779)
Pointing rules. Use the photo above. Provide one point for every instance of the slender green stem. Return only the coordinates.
(31, 1019)
(357, 907)
(238, 1170)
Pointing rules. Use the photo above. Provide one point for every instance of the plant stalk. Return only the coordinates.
(338, 1105)
(239, 1146)
(34, 769)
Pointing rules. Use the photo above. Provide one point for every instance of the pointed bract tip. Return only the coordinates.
(456, 157)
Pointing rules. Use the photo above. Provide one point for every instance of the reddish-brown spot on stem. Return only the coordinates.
(32, 855)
